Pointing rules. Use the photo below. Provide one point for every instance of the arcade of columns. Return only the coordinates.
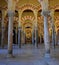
(45, 14)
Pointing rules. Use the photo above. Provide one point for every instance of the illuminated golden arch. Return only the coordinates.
(56, 7)
(27, 17)
(27, 7)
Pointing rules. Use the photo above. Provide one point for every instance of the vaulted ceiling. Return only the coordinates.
(29, 15)
(52, 3)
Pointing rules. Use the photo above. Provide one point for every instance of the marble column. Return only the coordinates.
(33, 37)
(36, 37)
(16, 35)
(40, 39)
(24, 36)
(53, 35)
(53, 28)
(40, 34)
(19, 29)
(46, 33)
(19, 37)
(10, 33)
(36, 30)
(3, 29)
(0, 32)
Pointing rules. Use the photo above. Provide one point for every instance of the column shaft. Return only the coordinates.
(24, 36)
(36, 37)
(16, 35)
(40, 39)
(3, 29)
(19, 37)
(40, 35)
(10, 32)
(53, 36)
(0, 31)
(36, 29)
(33, 38)
(46, 36)
(53, 27)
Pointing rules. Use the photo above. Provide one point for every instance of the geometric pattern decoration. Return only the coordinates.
(27, 18)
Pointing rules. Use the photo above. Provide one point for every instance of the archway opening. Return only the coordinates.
(57, 25)
(15, 28)
(27, 24)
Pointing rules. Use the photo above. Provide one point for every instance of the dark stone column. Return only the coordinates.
(19, 37)
(36, 37)
(3, 30)
(33, 37)
(10, 33)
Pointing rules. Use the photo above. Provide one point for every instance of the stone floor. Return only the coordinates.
(29, 55)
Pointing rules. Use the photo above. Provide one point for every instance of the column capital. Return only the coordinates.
(11, 13)
(19, 27)
(52, 13)
(45, 13)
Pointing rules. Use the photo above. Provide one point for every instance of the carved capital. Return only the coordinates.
(10, 13)
(45, 13)
(19, 27)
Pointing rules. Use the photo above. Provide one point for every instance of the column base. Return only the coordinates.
(2, 46)
(47, 55)
(47, 58)
(36, 46)
(10, 56)
(19, 46)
